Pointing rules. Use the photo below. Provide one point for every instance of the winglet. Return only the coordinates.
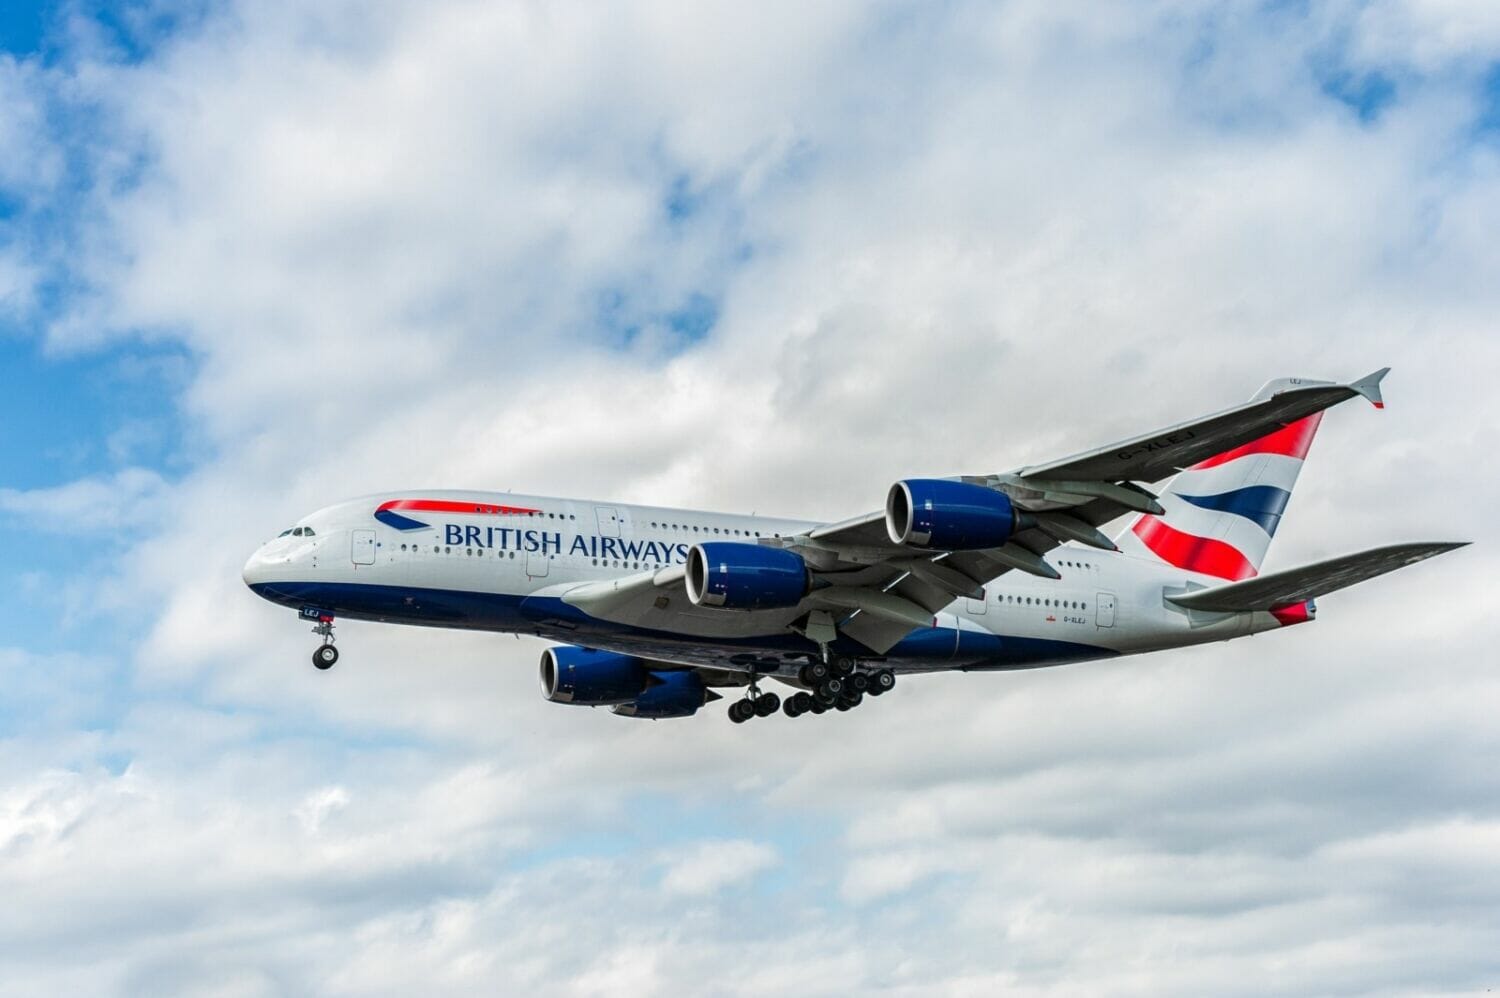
(1369, 387)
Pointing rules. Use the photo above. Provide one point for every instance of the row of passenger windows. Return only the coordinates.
(480, 552)
(705, 530)
(1060, 604)
(659, 526)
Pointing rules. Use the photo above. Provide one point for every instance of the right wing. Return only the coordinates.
(1297, 585)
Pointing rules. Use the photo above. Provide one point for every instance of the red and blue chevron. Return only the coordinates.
(386, 512)
(1249, 500)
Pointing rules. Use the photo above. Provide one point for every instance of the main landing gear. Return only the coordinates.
(326, 653)
(754, 704)
(837, 684)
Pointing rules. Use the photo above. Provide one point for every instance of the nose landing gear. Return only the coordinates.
(326, 654)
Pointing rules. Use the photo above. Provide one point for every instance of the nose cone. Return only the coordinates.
(254, 573)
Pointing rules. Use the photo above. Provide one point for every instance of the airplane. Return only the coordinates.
(654, 609)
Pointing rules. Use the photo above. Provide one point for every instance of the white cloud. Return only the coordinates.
(129, 499)
(708, 867)
(406, 245)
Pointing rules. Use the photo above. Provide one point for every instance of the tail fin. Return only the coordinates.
(1222, 513)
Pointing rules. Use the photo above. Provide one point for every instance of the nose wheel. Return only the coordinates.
(325, 654)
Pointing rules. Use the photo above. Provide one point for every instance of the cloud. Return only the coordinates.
(129, 499)
(708, 867)
(443, 246)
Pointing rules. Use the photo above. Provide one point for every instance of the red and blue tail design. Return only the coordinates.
(1222, 513)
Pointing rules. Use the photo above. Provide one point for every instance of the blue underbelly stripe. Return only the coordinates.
(555, 619)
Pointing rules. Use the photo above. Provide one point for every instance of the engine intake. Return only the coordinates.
(735, 576)
(943, 515)
(592, 678)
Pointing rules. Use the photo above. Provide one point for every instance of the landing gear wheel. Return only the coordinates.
(816, 706)
(830, 689)
(841, 666)
(740, 711)
(792, 707)
(325, 656)
(882, 681)
(859, 682)
(767, 704)
(813, 673)
(850, 700)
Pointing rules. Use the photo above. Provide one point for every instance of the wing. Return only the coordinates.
(1297, 585)
(875, 591)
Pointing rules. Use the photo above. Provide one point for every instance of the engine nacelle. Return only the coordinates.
(672, 694)
(592, 678)
(735, 576)
(948, 516)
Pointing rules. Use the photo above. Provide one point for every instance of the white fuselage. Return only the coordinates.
(504, 562)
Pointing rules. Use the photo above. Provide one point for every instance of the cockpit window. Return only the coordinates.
(285, 532)
(307, 531)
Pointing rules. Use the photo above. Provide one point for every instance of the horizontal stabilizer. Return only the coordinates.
(1300, 584)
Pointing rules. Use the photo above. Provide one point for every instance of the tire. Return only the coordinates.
(852, 700)
(831, 688)
(791, 707)
(842, 666)
(817, 706)
(767, 704)
(737, 712)
(813, 673)
(859, 682)
(883, 681)
(325, 656)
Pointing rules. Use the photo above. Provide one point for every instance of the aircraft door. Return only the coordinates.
(975, 606)
(537, 564)
(609, 521)
(1104, 610)
(362, 547)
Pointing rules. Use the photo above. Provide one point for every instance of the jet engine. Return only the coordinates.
(734, 576)
(943, 515)
(672, 694)
(592, 678)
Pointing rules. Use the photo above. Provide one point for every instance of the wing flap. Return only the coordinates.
(1298, 585)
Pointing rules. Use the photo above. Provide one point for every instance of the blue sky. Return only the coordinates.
(258, 257)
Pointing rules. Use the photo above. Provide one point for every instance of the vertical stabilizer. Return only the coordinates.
(1221, 514)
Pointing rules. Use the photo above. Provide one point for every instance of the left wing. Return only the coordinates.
(871, 588)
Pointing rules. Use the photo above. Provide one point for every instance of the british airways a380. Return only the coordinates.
(654, 609)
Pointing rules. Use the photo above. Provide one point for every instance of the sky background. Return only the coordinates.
(258, 257)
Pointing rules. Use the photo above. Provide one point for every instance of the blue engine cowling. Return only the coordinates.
(592, 678)
(736, 576)
(672, 694)
(943, 515)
